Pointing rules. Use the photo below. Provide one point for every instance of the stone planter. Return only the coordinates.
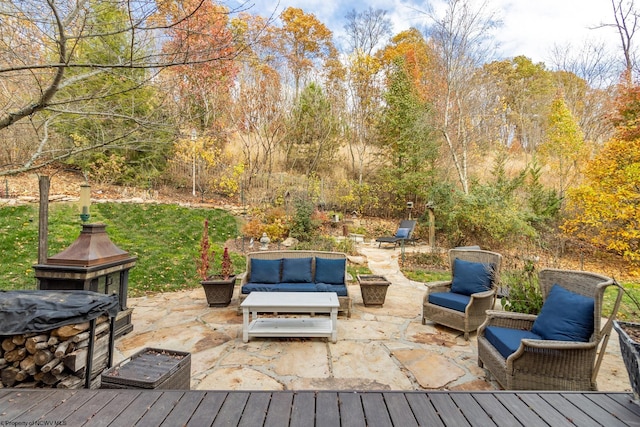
(373, 289)
(630, 350)
(218, 290)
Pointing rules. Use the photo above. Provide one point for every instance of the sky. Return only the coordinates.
(530, 27)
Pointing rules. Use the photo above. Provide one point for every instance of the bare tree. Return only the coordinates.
(462, 39)
(626, 21)
(365, 31)
(45, 70)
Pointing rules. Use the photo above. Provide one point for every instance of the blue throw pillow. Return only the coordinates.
(330, 271)
(265, 270)
(296, 270)
(565, 316)
(471, 277)
(402, 233)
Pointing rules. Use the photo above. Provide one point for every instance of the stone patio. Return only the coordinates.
(378, 348)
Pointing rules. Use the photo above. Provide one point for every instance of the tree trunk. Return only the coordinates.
(43, 219)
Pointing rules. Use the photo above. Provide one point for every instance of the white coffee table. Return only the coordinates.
(290, 302)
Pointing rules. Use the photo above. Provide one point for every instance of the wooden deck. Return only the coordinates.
(314, 408)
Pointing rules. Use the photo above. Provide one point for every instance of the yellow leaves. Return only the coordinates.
(606, 209)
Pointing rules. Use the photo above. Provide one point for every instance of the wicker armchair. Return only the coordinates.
(539, 364)
(465, 318)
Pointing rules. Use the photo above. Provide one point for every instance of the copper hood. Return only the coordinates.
(92, 247)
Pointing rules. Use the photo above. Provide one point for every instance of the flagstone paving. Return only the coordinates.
(378, 348)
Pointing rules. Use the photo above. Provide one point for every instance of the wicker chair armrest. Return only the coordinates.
(244, 277)
(439, 286)
(558, 345)
(482, 295)
(507, 319)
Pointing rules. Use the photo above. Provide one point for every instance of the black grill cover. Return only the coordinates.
(39, 311)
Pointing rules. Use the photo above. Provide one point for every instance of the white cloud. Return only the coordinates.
(530, 27)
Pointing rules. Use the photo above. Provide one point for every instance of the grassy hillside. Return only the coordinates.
(165, 238)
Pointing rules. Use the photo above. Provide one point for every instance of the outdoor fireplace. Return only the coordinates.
(91, 263)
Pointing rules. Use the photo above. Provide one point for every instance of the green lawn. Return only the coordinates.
(165, 238)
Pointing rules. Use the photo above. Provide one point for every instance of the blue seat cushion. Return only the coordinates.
(247, 288)
(450, 300)
(402, 233)
(341, 290)
(296, 270)
(565, 316)
(507, 340)
(265, 270)
(471, 277)
(330, 271)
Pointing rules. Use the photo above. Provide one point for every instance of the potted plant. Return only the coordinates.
(218, 287)
(373, 289)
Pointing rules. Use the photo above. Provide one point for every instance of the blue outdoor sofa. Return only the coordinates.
(297, 271)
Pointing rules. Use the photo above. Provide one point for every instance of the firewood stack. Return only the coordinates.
(55, 358)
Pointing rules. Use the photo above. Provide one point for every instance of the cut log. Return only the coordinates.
(34, 347)
(68, 331)
(28, 364)
(8, 344)
(18, 339)
(81, 337)
(49, 366)
(62, 348)
(22, 375)
(77, 359)
(16, 355)
(49, 379)
(53, 341)
(70, 382)
(42, 357)
(8, 376)
(58, 369)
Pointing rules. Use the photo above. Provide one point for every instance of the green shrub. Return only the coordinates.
(522, 290)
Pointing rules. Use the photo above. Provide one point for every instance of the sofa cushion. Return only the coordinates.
(471, 277)
(330, 271)
(507, 340)
(296, 270)
(247, 288)
(565, 316)
(450, 300)
(341, 290)
(265, 270)
(402, 233)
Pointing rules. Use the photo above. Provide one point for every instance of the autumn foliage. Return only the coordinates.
(605, 210)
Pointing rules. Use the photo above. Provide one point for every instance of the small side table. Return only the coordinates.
(373, 289)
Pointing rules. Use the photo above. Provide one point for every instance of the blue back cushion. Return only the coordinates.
(265, 270)
(296, 270)
(471, 277)
(330, 271)
(402, 233)
(565, 316)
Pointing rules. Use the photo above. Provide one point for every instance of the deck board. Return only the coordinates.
(135, 407)
(495, 410)
(256, 410)
(448, 411)
(473, 412)
(327, 410)
(423, 409)
(595, 411)
(545, 410)
(207, 410)
(351, 411)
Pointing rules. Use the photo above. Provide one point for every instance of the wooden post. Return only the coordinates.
(43, 218)
(432, 230)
